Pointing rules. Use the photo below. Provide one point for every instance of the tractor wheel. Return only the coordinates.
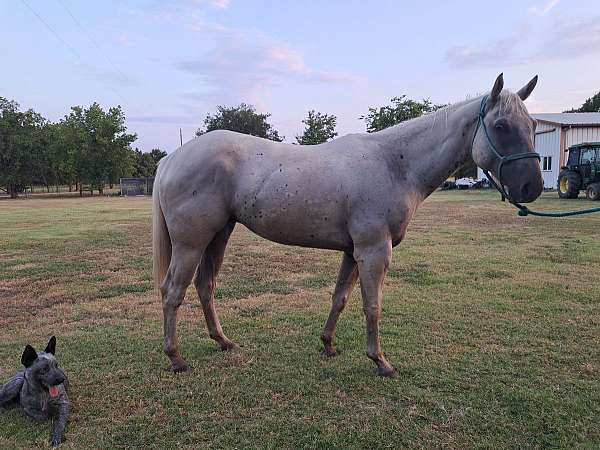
(593, 191)
(569, 184)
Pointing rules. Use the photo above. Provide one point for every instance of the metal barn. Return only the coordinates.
(555, 133)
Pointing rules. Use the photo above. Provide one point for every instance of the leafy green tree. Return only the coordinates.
(21, 146)
(100, 145)
(157, 154)
(590, 105)
(318, 128)
(144, 164)
(400, 110)
(243, 119)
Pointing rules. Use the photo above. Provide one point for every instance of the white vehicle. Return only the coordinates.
(465, 183)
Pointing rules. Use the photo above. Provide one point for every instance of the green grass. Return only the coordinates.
(492, 320)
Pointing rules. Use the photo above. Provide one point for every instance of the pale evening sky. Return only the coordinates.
(168, 63)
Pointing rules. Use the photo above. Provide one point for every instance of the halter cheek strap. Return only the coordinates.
(502, 159)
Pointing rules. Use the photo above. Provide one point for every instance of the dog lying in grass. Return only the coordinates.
(40, 389)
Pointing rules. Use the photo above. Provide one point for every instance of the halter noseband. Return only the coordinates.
(502, 158)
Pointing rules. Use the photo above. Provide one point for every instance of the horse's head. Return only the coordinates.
(504, 143)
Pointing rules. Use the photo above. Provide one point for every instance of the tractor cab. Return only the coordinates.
(582, 172)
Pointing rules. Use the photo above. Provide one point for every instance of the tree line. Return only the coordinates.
(91, 146)
(88, 147)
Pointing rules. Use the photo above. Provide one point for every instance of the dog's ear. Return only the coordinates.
(51, 347)
(29, 356)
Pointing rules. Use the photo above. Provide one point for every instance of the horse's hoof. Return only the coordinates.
(229, 346)
(180, 367)
(330, 352)
(387, 372)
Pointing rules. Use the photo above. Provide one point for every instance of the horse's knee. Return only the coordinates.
(372, 311)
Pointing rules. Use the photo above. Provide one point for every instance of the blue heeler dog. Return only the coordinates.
(40, 389)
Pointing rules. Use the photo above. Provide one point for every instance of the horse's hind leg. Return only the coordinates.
(347, 277)
(184, 260)
(205, 282)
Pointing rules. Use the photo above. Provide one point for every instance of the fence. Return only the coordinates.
(137, 186)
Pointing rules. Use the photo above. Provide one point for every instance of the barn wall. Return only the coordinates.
(577, 135)
(547, 144)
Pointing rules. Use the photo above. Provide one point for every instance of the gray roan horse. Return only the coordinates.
(355, 194)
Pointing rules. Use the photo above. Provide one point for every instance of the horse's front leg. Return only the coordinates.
(373, 261)
(347, 277)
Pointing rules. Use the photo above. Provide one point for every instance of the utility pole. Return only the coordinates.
(180, 138)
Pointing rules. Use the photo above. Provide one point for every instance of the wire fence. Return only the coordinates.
(136, 186)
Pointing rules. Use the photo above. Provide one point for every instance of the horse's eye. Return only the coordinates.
(501, 125)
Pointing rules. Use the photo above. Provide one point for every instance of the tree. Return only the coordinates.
(319, 128)
(590, 105)
(99, 143)
(143, 164)
(157, 154)
(400, 110)
(22, 139)
(243, 119)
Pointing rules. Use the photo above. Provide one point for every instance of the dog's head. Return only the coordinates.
(42, 368)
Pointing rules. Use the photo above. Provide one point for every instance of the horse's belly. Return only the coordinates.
(304, 228)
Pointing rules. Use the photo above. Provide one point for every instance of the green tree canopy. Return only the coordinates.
(590, 105)
(400, 110)
(157, 154)
(243, 119)
(318, 128)
(22, 144)
(100, 144)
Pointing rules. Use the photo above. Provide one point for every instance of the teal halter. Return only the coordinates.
(502, 158)
(523, 210)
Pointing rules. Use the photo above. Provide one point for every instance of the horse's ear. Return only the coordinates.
(526, 90)
(498, 86)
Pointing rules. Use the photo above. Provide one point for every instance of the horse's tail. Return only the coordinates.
(161, 241)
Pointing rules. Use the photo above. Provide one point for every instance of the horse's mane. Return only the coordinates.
(509, 103)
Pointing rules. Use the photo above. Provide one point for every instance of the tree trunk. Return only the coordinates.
(80, 190)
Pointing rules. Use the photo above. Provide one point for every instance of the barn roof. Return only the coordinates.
(587, 118)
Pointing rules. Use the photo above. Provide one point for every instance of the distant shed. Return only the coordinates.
(555, 133)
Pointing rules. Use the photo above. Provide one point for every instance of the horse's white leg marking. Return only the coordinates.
(346, 280)
(206, 280)
(373, 262)
(181, 270)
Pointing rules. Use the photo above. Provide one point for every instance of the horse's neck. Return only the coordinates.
(434, 146)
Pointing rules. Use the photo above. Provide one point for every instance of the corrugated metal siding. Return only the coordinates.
(577, 135)
(547, 144)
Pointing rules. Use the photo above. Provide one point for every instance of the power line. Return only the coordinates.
(65, 43)
(90, 38)
(69, 46)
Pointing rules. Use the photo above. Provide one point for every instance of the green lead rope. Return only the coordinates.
(523, 210)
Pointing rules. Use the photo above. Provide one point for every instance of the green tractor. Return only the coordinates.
(582, 172)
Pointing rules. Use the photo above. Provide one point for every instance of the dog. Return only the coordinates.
(40, 389)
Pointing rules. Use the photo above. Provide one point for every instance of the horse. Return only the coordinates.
(355, 194)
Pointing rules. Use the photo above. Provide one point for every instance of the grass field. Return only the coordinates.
(492, 320)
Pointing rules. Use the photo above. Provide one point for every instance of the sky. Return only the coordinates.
(170, 63)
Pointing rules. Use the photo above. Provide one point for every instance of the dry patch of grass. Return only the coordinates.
(492, 320)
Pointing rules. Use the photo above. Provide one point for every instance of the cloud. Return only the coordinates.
(158, 119)
(545, 9)
(564, 37)
(242, 65)
(503, 49)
